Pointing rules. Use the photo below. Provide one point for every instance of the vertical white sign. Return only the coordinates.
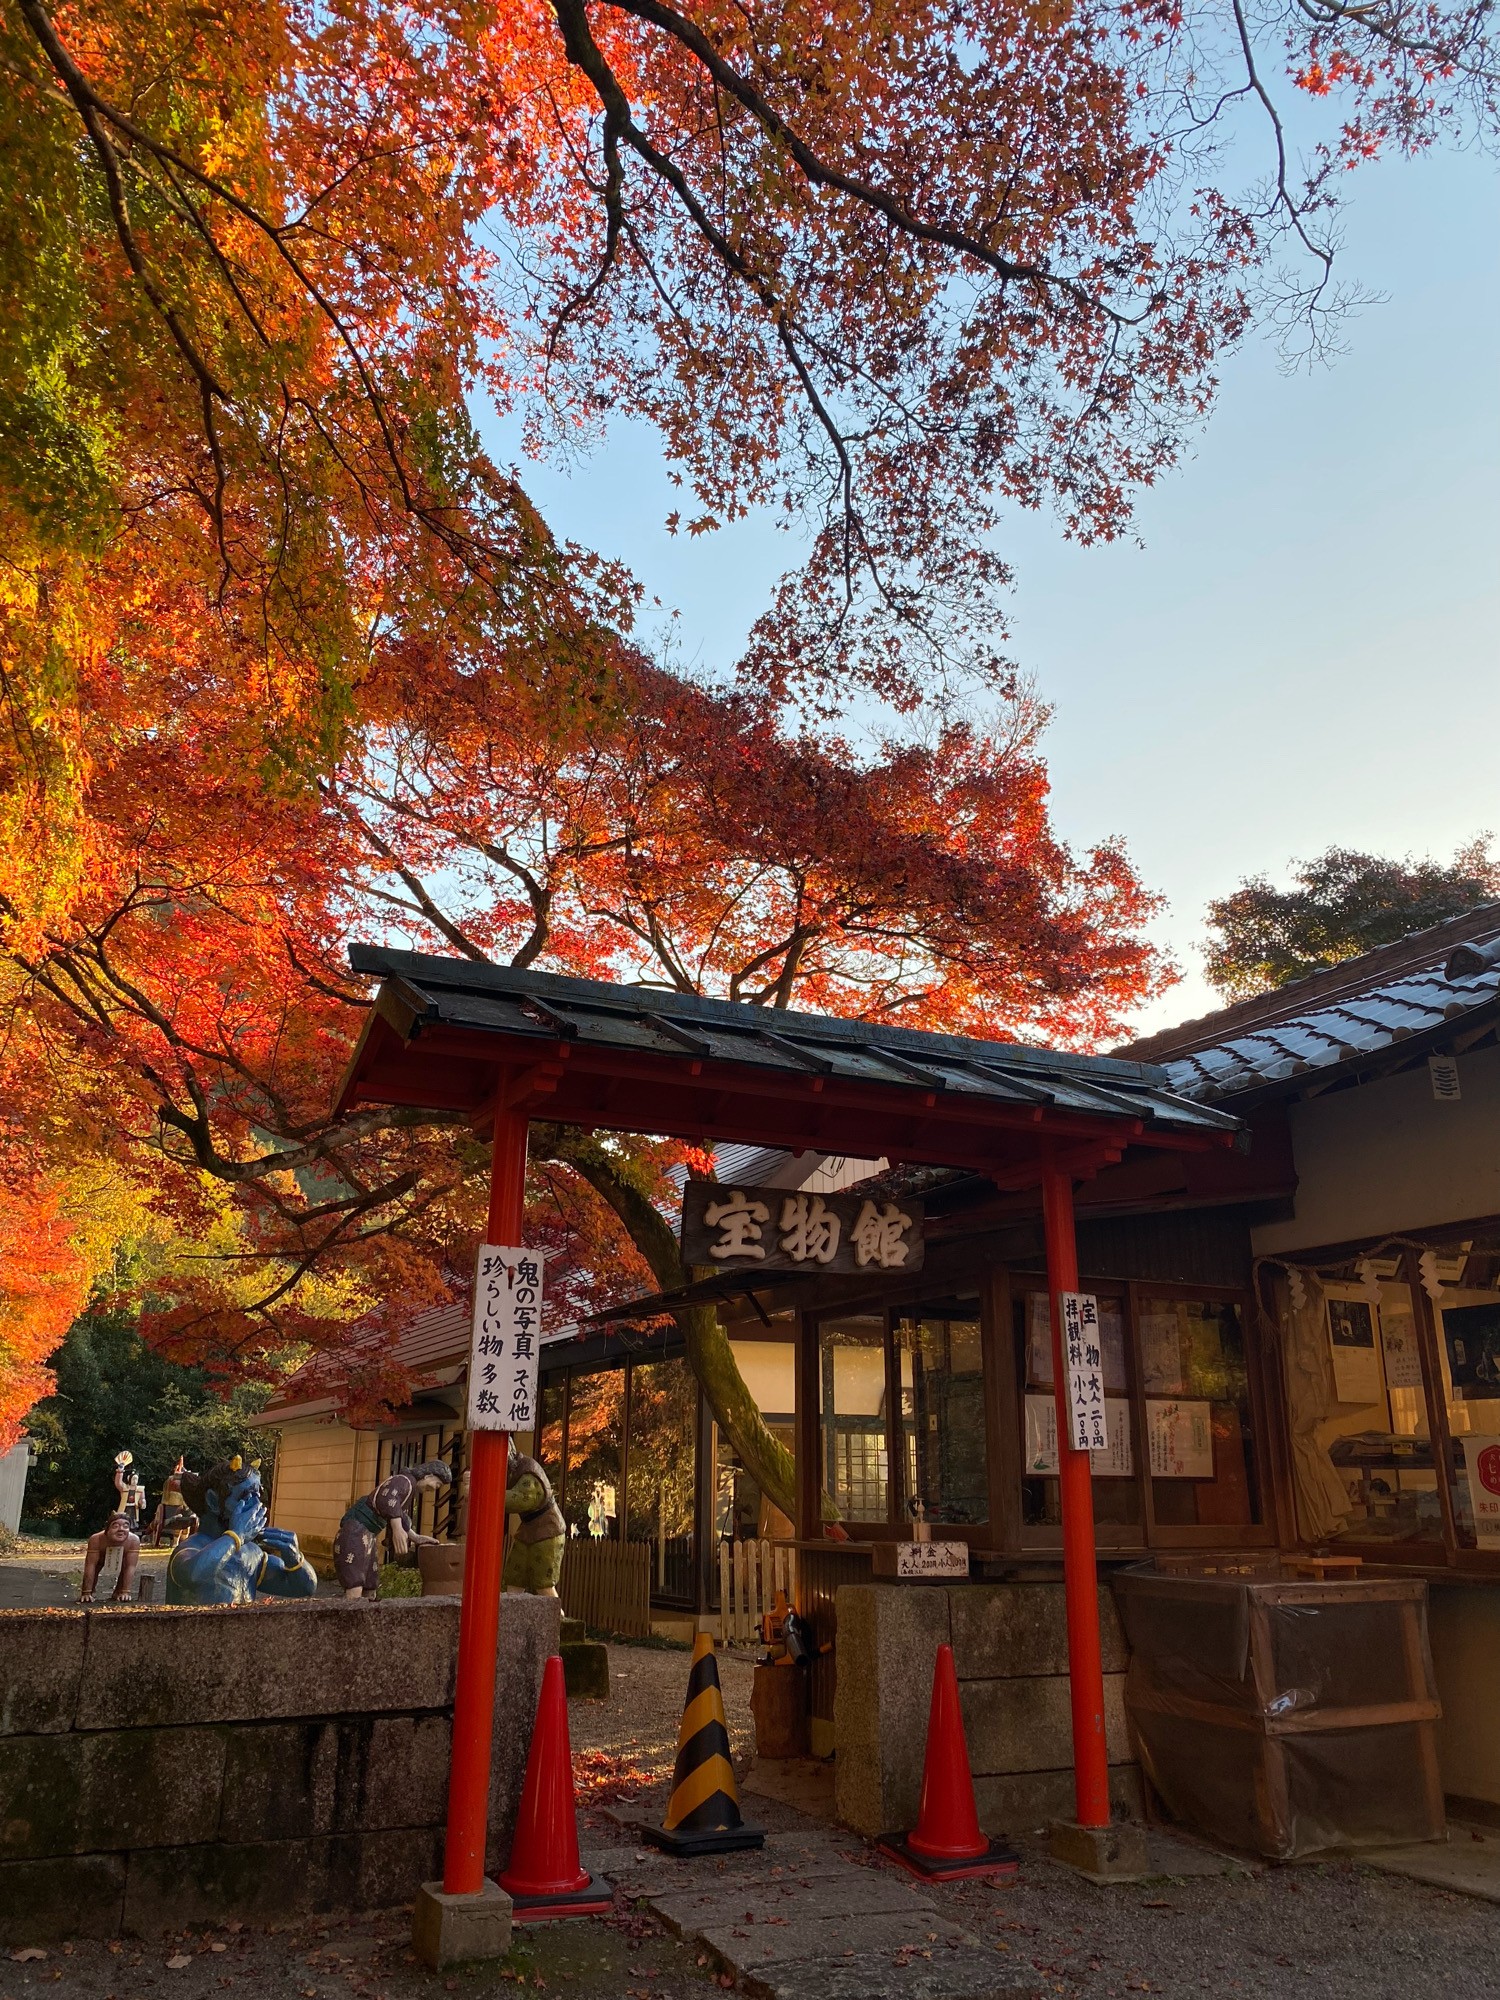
(1444, 1073)
(507, 1334)
(1083, 1358)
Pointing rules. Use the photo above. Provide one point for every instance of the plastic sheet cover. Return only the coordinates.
(1285, 1718)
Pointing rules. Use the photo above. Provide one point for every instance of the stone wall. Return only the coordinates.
(1010, 1648)
(167, 1766)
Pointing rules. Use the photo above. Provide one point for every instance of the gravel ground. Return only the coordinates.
(1337, 1932)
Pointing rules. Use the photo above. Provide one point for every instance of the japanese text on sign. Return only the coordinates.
(774, 1229)
(1083, 1364)
(507, 1335)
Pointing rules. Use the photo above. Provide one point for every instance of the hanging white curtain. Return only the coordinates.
(1307, 1367)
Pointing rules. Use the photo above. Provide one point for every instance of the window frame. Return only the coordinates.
(1111, 1538)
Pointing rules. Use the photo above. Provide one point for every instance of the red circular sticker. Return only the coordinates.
(1489, 1468)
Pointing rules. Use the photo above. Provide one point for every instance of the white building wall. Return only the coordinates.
(14, 1467)
(1387, 1157)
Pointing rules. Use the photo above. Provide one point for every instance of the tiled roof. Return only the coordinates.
(1347, 1016)
(435, 993)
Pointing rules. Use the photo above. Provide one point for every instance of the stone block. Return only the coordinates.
(888, 1639)
(459, 1930)
(585, 1669)
(571, 1631)
(280, 1780)
(43, 1654)
(1026, 1724)
(322, 1656)
(528, 1639)
(1026, 1801)
(72, 1896)
(1001, 1630)
(1114, 1853)
(109, 1791)
(859, 1790)
(256, 1881)
(392, 1866)
(275, 1881)
(393, 1772)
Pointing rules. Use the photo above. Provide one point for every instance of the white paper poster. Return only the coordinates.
(1116, 1461)
(1482, 1463)
(1351, 1342)
(1083, 1355)
(1398, 1344)
(1161, 1353)
(1180, 1439)
(507, 1334)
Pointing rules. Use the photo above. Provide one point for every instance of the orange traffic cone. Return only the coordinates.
(948, 1844)
(703, 1814)
(544, 1878)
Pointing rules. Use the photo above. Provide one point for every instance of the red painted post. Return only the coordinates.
(1080, 1570)
(484, 1546)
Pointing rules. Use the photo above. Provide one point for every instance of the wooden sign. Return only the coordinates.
(1083, 1359)
(784, 1229)
(507, 1334)
(921, 1562)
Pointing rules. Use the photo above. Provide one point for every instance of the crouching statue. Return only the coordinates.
(356, 1546)
(234, 1556)
(535, 1560)
(116, 1533)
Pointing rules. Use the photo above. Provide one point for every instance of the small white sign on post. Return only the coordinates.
(507, 1334)
(1083, 1358)
(936, 1560)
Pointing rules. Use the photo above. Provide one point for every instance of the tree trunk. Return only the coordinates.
(709, 1353)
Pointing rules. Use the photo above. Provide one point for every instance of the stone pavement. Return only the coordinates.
(813, 1917)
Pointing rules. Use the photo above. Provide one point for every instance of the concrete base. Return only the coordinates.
(456, 1930)
(1114, 1853)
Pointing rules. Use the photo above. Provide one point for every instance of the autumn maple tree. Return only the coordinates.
(286, 657)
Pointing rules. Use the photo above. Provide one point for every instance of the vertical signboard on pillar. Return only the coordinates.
(507, 1334)
(1083, 1360)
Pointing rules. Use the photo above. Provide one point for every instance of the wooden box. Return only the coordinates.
(1285, 1718)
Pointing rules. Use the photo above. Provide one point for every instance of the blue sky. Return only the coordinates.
(1303, 649)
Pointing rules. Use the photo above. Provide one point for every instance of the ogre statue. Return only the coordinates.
(535, 1560)
(356, 1546)
(234, 1557)
(116, 1533)
(172, 1517)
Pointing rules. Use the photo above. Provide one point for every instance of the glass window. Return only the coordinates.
(768, 1369)
(1362, 1465)
(1117, 1489)
(944, 1461)
(596, 1411)
(852, 1396)
(1196, 1390)
(659, 1499)
(1469, 1354)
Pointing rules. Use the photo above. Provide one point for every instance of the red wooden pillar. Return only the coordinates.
(1080, 1570)
(484, 1546)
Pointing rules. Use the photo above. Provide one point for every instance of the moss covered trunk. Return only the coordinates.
(709, 1353)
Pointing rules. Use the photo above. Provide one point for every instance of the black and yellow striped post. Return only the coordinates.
(703, 1816)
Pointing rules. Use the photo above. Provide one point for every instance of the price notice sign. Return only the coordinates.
(1083, 1364)
(507, 1334)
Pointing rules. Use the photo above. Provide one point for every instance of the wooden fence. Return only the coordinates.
(608, 1585)
(750, 1574)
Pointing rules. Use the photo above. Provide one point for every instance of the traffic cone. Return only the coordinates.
(544, 1878)
(703, 1815)
(947, 1844)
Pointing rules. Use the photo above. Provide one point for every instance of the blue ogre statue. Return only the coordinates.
(234, 1557)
